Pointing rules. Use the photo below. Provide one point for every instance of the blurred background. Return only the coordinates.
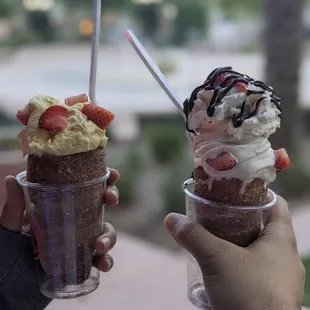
(45, 49)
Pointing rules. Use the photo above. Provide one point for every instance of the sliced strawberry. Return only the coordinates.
(23, 115)
(70, 101)
(54, 118)
(100, 116)
(220, 78)
(222, 162)
(241, 87)
(282, 160)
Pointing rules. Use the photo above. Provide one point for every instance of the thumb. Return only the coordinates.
(14, 208)
(279, 224)
(280, 213)
(203, 245)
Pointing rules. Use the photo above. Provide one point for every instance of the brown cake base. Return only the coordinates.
(66, 223)
(70, 169)
(240, 226)
(228, 191)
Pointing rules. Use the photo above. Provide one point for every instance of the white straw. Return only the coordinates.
(94, 50)
(157, 74)
(155, 71)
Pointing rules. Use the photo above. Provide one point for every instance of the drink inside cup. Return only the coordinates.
(64, 186)
(229, 119)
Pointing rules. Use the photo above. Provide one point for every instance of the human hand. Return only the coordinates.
(103, 261)
(268, 274)
(12, 218)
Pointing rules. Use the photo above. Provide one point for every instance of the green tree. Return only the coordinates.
(283, 49)
(148, 18)
(110, 4)
(40, 23)
(171, 191)
(166, 143)
(232, 8)
(192, 16)
(7, 7)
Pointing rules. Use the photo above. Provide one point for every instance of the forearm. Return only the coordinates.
(19, 274)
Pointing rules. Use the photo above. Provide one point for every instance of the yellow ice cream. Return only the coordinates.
(81, 135)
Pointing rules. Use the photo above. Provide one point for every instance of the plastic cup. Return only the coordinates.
(240, 225)
(66, 220)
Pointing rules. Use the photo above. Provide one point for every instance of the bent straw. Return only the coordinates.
(94, 50)
(157, 74)
(155, 71)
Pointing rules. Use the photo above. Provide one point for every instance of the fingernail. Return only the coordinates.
(114, 192)
(109, 264)
(106, 241)
(172, 220)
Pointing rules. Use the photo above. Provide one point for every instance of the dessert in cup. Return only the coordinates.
(64, 185)
(229, 119)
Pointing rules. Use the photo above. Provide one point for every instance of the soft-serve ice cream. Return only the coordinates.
(64, 187)
(230, 118)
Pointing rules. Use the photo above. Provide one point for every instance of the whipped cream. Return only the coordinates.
(81, 135)
(247, 141)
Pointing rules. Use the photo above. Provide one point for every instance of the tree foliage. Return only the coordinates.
(233, 7)
(110, 4)
(7, 7)
(192, 16)
(283, 42)
(148, 18)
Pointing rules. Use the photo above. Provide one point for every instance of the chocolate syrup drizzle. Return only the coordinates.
(222, 90)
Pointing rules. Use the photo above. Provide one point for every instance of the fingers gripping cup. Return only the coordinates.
(66, 220)
(240, 225)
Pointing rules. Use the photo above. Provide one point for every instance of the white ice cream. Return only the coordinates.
(247, 143)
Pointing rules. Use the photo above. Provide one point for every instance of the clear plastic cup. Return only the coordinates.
(66, 220)
(240, 225)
